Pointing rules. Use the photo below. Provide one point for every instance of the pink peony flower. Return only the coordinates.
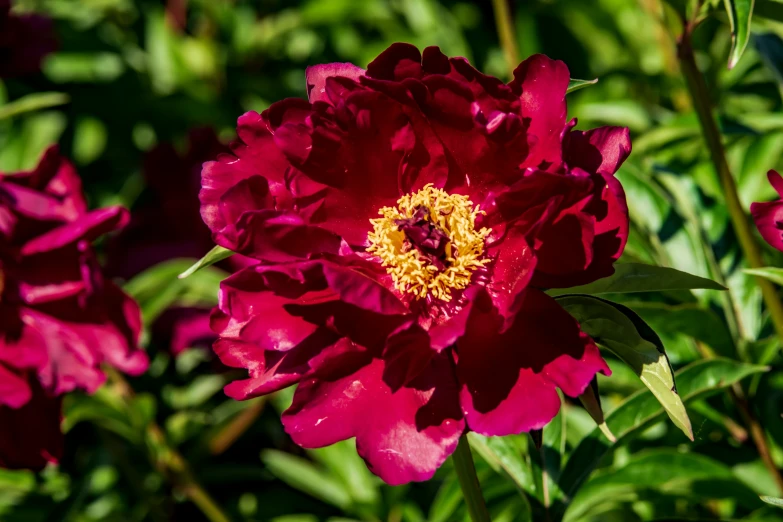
(406, 220)
(59, 319)
(24, 41)
(769, 216)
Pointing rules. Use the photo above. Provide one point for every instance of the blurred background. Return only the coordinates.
(139, 93)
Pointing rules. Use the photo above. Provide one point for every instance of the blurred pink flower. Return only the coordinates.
(406, 219)
(59, 318)
(24, 41)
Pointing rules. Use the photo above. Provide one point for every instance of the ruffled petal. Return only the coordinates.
(316, 76)
(403, 435)
(508, 377)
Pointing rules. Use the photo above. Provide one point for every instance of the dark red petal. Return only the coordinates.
(31, 436)
(600, 150)
(403, 435)
(509, 377)
(541, 84)
(87, 227)
(399, 61)
(14, 389)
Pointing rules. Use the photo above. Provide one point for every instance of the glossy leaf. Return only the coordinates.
(216, 255)
(740, 13)
(641, 409)
(620, 330)
(637, 277)
(665, 470)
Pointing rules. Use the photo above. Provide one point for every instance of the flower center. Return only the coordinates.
(429, 243)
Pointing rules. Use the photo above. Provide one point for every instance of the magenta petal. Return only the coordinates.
(14, 389)
(541, 84)
(769, 215)
(316, 76)
(399, 61)
(508, 378)
(403, 435)
(87, 227)
(270, 370)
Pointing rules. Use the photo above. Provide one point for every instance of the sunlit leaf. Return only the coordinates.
(740, 13)
(640, 410)
(575, 85)
(665, 470)
(620, 330)
(636, 277)
(773, 501)
(774, 274)
(216, 255)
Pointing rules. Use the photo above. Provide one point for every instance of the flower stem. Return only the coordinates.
(468, 481)
(742, 227)
(506, 32)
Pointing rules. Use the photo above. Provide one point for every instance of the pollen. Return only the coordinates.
(429, 266)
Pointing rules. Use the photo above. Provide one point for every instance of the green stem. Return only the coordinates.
(506, 34)
(742, 227)
(468, 481)
(697, 88)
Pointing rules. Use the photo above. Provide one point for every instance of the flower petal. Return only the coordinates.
(508, 377)
(403, 435)
(316, 76)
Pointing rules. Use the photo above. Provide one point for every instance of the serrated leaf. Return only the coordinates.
(216, 255)
(620, 330)
(640, 410)
(575, 85)
(740, 12)
(638, 277)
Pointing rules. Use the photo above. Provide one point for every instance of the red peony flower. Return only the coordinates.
(769, 216)
(406, 219)
(59, 319)
(24, 41)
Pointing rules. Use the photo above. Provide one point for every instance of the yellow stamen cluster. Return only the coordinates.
(411, 271)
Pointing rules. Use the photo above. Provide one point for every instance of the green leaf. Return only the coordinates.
(506, 454)
(216, 255)
(773, 274)
(158, 288)
(303, 475)
(773, 501)
(637, 277)
(620, 330)
(664, 470)
(641, 409)
(33, 102)
(771, 9)
(691, 319)
(740, 13)
(575, 85)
